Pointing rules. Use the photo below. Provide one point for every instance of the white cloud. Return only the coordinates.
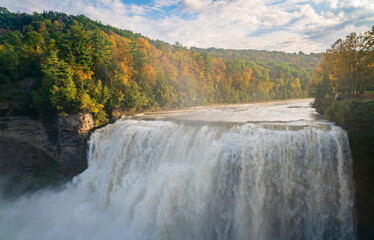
(352, 3)
(196, 4)
(334, 4)
(290, 25)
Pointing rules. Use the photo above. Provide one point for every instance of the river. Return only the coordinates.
(252, 171)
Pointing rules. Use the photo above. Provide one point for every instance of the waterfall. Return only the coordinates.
(190, 180)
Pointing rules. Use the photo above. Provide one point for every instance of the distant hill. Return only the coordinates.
(56, 63)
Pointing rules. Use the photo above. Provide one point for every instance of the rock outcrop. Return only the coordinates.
(72, 134)
(34, 153)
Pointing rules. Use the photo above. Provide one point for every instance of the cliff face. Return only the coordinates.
(73, 133)
(357, 117)
(33, 154)
(361, 140)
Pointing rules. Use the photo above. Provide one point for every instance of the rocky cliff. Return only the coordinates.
(33, 154)
(357, 117)
(73, 133)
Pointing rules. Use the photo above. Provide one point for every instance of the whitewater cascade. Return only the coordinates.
(188, 180)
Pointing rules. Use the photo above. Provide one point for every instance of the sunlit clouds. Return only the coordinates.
(285, 25)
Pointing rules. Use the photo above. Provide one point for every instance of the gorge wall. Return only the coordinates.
(34, 155)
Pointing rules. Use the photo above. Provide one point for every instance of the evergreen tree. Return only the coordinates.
(58, 88)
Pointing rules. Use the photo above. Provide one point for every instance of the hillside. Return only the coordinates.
(54, 63)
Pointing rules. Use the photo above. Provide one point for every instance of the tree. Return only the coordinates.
(81, 47)
(163, 92)
(101, 53)
(58, 87)
(324, 94)
(349, 63)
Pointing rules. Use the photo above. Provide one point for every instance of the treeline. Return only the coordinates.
(262, 56)
(51, 62)
(346, 68)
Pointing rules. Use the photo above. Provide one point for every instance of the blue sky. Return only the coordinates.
(285, 25)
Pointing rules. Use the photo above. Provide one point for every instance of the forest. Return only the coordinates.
(54, 63)
(347, 68)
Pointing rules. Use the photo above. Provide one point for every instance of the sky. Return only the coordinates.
(282, 25)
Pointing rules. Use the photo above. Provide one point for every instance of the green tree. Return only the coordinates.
(101, 54)
(58, 87)
(163, 93)
(324, 94)
(81, 48)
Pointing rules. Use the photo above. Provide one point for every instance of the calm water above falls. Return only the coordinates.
(275, 111)
(261, 171)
